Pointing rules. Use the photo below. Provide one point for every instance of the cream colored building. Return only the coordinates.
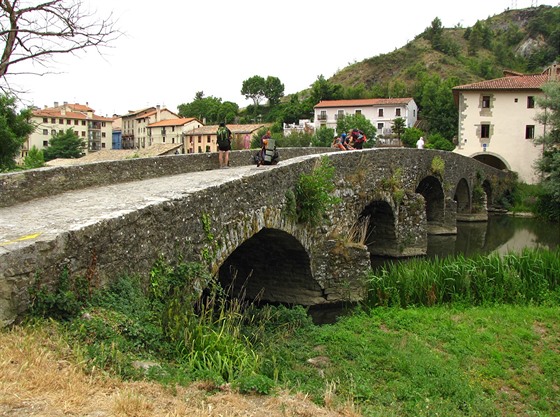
(95, 131)
(204, 139)
(135, 125)
(379, 111)
(172, 131)
(497, 121)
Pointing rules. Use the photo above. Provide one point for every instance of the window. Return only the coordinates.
(485, 131)
(45, 120)
(173, 128)
(208, 139)
(485, 102)
(45, 143)
(380, 126)
(68, 121)
(60, 121)
(45, 131)
(103, 124)
(380, 113)
(358, 112)
(102, 144)
(53, 120)
(103, 134)
(398, 112)
(76, 123)
(83, 122)
(164, 139)
(530, 102)
(53, 132)
(199, 141)
(530, 132)
(84, 134)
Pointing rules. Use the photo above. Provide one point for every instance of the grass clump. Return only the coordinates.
(530, 277)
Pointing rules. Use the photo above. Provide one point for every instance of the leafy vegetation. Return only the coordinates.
(485, 346)
(14, 128)
(312, 196)
(549, 163)
(65, 145)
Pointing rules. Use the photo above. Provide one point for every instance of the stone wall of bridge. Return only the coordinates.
(241, 227)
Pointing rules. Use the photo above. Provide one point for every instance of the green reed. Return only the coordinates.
(529, 277)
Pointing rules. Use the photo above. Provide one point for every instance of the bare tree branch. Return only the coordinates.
(37, 31)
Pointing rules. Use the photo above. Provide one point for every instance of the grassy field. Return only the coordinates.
(455, 337)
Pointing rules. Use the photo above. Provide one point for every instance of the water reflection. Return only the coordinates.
(501, 234)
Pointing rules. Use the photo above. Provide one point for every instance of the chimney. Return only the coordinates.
(158, 113)
(56, 104)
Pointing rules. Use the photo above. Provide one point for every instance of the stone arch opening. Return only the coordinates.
(487, 187)
(462, 197)
(381, 236)
(271, 266)
(492, 160)
(432, 191)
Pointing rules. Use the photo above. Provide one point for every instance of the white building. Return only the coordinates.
(497, 121)
(95, 131)
(172, 131)
(379, 111)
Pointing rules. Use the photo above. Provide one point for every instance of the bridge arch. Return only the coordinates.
(487, 187)
(432, 191)
(492, 159)
(272, 265)
(463, 196)
(381, 235)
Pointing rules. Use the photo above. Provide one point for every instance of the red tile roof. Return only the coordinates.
(57, 113)
(172, 122)
(515, 82)
(364, 102)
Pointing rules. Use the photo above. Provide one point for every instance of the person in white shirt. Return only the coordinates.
(420, 143)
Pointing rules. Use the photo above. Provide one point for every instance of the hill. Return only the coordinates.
(524, 40)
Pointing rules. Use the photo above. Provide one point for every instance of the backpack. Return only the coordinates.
(223, 136)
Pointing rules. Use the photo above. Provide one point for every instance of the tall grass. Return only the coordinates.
(531, 277)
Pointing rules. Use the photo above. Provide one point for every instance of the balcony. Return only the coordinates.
(322, 117)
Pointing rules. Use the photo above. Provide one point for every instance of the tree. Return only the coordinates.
(410, 136)
(254, 88)
(357, 121)
(323, 89)
(34, 158)
(209, 109)
(64, 145)
(37, 30)
(399, 125)
(14, 129)
(549, 163)
(273, 90)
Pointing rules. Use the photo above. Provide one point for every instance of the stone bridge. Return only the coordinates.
(102, 220)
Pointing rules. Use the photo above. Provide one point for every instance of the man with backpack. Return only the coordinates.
(224, 145)
(358, 138)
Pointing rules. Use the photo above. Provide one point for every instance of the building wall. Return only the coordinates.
(381, 116)
(172, 134)
(508, 117)
(48, 126)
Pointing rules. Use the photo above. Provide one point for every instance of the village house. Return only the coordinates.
(497, 121)
(204, 138)
(134, 126)
(172, 131)
(379, 111)
(96, 131)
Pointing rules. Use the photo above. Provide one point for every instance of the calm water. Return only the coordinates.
(501, 234)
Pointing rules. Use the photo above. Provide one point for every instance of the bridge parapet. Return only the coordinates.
(22, 186)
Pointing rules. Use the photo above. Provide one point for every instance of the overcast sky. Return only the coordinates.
(174, 48)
